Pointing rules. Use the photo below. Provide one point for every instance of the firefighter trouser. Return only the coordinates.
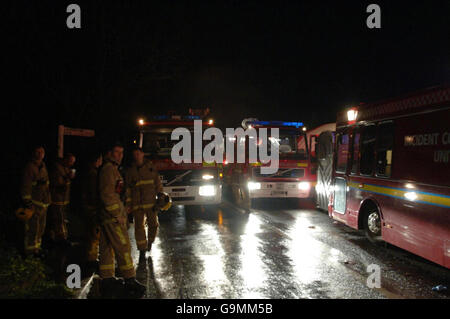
(141, 217)
(34, 230)
(93, 237)
(114, 242)
(57, 221)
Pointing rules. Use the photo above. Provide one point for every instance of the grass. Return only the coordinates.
(27, 278)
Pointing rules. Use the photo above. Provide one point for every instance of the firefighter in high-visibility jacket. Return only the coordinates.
(114, 240)
(35, 195)
(90, 204)
(61, 177)
(142, 185)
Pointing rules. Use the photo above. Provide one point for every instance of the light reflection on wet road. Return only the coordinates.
(279, 250)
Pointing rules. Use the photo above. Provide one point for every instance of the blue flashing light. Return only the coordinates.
(160, 117)
(276, 123)
(295, 124)
(192, 117)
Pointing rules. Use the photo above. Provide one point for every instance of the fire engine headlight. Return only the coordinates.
(207, 190)
(304, 186)
(253, 186)
(207, 177)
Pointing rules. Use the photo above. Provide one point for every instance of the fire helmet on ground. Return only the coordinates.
(24, 214)
(163, 201)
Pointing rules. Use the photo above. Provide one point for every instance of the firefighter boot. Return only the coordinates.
(134, 288)
(142, 255)
(111, 287)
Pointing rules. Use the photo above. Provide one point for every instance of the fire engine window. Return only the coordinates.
(159, 144)
(290, 144)
(367, 150)
(355, 161)
(342, 153)
(384, 149)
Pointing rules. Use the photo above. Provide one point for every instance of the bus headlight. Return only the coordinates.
(412, 196)
(207, 177)
(207, 190)
(253, 186)
(304, 186)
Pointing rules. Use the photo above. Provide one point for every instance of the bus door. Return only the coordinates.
(324, 153)
(362, 162)
(340, 181)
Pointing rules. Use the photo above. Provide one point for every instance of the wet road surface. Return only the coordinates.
(280, 250)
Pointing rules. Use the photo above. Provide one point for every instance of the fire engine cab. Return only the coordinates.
(295, 177)
(186, 183)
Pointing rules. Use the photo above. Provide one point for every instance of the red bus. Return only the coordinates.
(295, 177)
(391, 172)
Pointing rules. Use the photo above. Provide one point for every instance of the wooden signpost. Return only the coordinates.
(62, 130)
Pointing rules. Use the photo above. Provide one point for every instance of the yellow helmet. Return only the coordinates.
(24, 214)
(163, 201)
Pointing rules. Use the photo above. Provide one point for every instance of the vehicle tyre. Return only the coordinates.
(212, 209)
(246, 200)
(253, 203)
(372, 225)
(235, 195)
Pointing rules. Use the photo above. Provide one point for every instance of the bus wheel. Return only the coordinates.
(373, 225)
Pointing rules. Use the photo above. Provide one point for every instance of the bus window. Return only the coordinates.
(367, 150)
(355, 161)
(384, 149)
(342, 153)
(340, 195)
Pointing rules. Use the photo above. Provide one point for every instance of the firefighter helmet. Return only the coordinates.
(24, 214)
(163, 201)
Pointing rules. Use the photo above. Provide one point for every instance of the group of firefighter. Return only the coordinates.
(107, 200)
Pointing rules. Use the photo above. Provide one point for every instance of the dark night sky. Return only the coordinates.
(293, 60)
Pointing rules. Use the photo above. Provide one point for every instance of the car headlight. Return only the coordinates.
(207, 190)
(207, 177)
(304, 186)
(254, 186)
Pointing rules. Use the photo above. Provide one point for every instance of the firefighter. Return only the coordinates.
(90, 204)
(60, 180)
(114, 240)
(35, 195)
(142, 185)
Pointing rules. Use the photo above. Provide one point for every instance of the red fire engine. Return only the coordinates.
(295, 177)
(391, 172)
(186, 183)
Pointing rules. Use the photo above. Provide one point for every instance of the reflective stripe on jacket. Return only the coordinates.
(35, 185)
(142, 185)
(109, 177)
